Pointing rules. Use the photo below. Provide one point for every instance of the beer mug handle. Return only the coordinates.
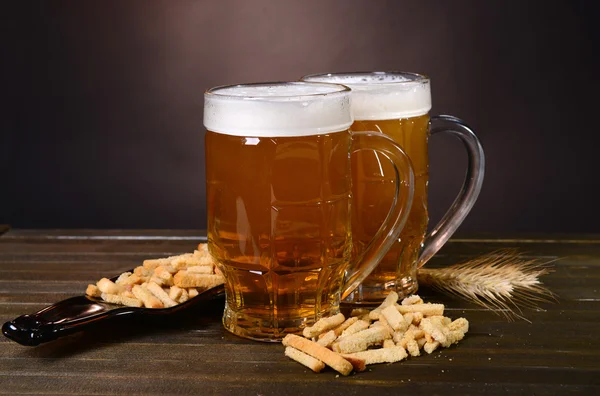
(396, 218)
(469, 192)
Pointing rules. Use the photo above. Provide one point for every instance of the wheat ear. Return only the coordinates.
(502, 281)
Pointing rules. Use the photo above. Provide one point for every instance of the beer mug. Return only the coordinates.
(278, 184)
(397, 105)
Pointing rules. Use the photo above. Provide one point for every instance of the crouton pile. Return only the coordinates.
(386, 334)
(161, 283)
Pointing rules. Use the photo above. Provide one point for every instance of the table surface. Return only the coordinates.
(190, 353)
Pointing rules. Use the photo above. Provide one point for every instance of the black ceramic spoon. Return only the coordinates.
(78, 313)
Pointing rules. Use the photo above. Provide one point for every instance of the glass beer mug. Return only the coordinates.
(279, 181)
(397, 105)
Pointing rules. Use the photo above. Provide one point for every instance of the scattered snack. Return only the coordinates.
(425, 309)
(121, 300)
(163, 282)
(357, 326)
(161, 295)
(345, 325)
(394, 318)
(323, 325)
(362, 340)
(107, 286)
(186, 279)
(302, 358)
(383, 355)
(332, 359)
(327, 338)
(391, 299)
(93, 291)
(387, 334)
(357, 363)
(411, 300)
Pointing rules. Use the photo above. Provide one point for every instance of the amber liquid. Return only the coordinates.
(279, 226)
(373, 191)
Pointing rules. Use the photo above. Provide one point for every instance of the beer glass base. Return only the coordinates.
(263, 328)
(374, 294)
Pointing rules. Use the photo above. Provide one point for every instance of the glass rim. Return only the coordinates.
(415, 77)
(213, 93)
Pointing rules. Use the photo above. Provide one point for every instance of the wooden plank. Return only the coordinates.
(191, 353)
(149, 243)
(485, 237)
(470, 248)
(259, 368)
(201, 335)
(74, 234)
(143, 385)
(151, 248)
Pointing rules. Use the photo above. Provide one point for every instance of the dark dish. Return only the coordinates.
(78, 313)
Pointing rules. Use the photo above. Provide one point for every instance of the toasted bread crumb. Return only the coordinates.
(319, 352)
(175, 293)
(391, 299)
(323, 325)
(185, 280)
(327, 338)
(427, 309)
(413, 348)
(185, 295)
(116, 299)
(93, 291)
(109, 287)
(132, 279)
(347, 323)
(122, 277)
(357, 363)
(161, 295)
(394, 318)
(146, 297)
(304, 359)
(429, 347)
(384, 355)
(460, 324)
(414, 299)
(200, 269)
(143, 273)
(388, 343)
(151, 264)
(357, 326)
(361, 340)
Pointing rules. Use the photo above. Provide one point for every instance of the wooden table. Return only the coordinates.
(190, 353)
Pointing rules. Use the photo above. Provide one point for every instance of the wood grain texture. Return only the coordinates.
(190, 353)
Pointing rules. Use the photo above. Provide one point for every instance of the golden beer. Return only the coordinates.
(283, 229)
(397, 105)
(279, 195)
(373, 192)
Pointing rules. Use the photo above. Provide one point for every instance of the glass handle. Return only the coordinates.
(469, 192)
(396, 218)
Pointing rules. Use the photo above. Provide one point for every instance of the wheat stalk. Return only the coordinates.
(502, 281)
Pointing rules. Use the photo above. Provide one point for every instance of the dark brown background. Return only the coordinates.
(101, 112)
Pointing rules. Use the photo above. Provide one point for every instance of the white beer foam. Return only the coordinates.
(278, 109)
(383, 96)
